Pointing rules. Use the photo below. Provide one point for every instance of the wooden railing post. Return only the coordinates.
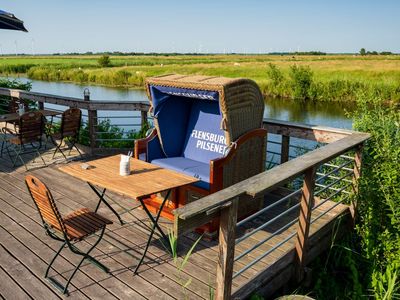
(143, 118)
(356, 177)
(285, 148)
(306, 205)
(40, 105)
(226, 250)
(92, 122)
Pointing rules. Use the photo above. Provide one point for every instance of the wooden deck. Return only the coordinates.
(25, 249)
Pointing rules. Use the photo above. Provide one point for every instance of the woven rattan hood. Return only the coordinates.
(241, 102)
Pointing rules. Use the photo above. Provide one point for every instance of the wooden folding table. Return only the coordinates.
(144, 180)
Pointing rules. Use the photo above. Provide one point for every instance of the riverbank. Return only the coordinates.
(318, 78)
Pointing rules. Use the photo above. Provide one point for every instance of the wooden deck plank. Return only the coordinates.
(138, 253)
(22, 268)
(26, 232)
(35, 255)
(9, 288)
(116, 283)
(121, 246)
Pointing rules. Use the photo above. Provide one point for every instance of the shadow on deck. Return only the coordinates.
(26, 250)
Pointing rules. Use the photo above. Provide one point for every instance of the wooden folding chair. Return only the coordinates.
(27, 139)
(70, 126)
(73, 228)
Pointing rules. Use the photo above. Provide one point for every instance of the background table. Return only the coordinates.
(13, 117)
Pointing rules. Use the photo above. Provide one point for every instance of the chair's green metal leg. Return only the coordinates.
(53, 281)
(58, 148)
(77, 149)
(62, 153)
(2, 148)
(64, 288)
(18, 155)
(54, 258)
(41, 157)
(85, 256)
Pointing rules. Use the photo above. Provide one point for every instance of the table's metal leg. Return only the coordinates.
(155, 225)
(101, 199)
(155, 221)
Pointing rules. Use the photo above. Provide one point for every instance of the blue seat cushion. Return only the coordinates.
(189, 167)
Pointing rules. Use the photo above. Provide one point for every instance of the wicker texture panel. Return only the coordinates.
(248, 161)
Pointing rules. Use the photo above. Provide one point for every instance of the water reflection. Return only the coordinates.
(330, 114)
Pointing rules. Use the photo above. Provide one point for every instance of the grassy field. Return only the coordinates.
(322, 78)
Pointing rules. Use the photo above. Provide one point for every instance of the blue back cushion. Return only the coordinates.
(204, 140)
(172, 120)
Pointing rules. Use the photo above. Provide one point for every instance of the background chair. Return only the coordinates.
(27, 139)
(69, 130)
(69, 230)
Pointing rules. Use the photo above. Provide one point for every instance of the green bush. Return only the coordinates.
(112, 136)
(278, 82)
(15, 69)
(379, 198)
(301, 80)
(366, 263)
(104, 61)
(121, 77)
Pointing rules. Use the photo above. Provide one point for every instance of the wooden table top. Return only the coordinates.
(15, 116)
(145, 178)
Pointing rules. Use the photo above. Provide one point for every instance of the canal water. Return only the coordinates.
(330, 114)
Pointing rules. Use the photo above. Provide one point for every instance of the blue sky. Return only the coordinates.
(203, 26)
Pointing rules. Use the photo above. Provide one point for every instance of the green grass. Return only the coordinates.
(333, 77)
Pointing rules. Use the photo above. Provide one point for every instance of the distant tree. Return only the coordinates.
(104, 61)
(362, 51)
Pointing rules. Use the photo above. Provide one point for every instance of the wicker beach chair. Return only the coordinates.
(69, 230)
(209, 128)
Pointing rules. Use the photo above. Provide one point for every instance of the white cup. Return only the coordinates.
(125, 166)
(21, 109)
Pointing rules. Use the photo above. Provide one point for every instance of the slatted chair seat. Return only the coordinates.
(71, 229)
(82, 223)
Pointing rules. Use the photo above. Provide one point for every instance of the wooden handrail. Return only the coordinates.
(317, 133)
(76, 102)
(262, 183)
